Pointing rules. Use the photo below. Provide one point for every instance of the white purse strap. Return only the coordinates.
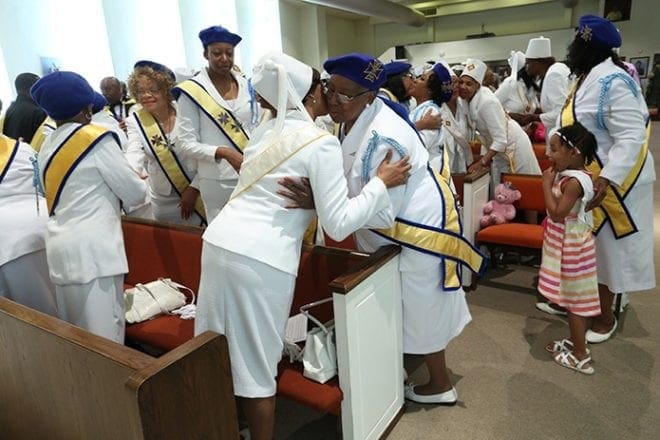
(305, 311)
(176, 285)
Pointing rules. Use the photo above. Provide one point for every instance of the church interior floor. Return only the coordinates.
(508, 385)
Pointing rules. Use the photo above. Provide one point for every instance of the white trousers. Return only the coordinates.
(97, 306)
(25, 280)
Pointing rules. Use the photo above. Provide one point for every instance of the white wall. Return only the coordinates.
(200, 14)
(446, 35)
(144, 29)
(30, 29)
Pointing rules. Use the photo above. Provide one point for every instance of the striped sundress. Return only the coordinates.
(568, 267)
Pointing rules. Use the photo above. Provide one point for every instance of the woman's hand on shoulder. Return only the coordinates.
(394, 174)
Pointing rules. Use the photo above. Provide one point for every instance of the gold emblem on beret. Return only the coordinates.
(470, 67)
(586, 33)
(372, 72)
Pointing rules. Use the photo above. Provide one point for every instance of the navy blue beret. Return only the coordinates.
(62, 95)
(218, 34)
(362, 69)
(443, 74)
(99, 102)
(598, 32)
(155, 66)
(396, 68)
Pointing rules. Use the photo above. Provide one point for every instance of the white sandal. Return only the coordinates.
(562, 345)
(567, 359)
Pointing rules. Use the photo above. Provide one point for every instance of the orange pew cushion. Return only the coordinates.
(513, 234)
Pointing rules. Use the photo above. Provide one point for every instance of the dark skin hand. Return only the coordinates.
(187, 203)
(299, 190)
(523, 119)
(600, 190)
(429, 121)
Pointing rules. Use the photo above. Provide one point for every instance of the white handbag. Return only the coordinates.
(144, 301)
(319, 355)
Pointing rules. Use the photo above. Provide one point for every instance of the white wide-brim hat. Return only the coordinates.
(538, 48)
(475, 69)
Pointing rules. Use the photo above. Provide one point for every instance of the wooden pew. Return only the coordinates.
(473, 193)
(368, 392)
(58, 381)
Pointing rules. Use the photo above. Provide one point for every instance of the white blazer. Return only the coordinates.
(257, 224)
(84, 238)
(22, 230)
(207, 132)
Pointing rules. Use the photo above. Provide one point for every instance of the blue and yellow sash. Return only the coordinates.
(66, 157)
(613, 208)
(39, 136)
(167, 160)
(219, 115)
(8, 149)
(446, 242)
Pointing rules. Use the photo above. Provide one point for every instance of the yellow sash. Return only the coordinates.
(8, 149)
(65, 159)
(220, 116)
(167, 160)
(613, 208)
(272, 155)
(39, 136)
(446, 242)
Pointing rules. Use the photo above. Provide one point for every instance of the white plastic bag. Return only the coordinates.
(319, 355)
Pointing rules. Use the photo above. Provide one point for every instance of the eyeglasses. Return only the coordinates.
(152, 92)
(342, 98)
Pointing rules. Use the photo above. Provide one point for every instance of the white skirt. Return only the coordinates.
(432, 317)
(249, 302)
(626, 265)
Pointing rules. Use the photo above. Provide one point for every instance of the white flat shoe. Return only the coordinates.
(547, 308)
(597, 338)
(447, 398)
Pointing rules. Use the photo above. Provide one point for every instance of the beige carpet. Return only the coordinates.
(509, 387)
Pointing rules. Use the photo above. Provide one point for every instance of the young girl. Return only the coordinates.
(568, 268)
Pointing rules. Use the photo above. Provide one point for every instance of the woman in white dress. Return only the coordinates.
(162, 147)
(609, 103)
(252, 248)
(508, 146)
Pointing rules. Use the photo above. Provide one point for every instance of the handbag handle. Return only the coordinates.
(175, 285)
(305, 311)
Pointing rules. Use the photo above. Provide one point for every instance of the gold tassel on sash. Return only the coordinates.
(8, 149)
(612, 208)
(65, 159)
(220, 116)
(446, 242)
(166, 158)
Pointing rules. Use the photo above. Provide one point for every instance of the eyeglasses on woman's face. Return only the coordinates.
(152, 91)
(342, 98)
